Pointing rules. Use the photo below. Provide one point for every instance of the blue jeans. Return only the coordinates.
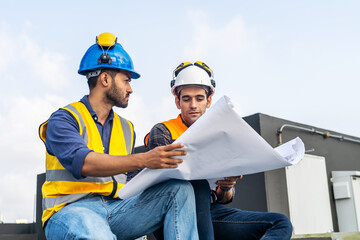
(232, 223)
(203, 214)
(170, 204)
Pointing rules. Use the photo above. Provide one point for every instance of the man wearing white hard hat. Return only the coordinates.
(193, 86)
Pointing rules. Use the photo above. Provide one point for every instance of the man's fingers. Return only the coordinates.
(173, 160)
(233, 178)
(171, 163)
(169, 150)
(225, 183)
(175, 153)
(165, 156)
(173, 146)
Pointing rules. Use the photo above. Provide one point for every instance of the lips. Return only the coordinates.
(194, 113)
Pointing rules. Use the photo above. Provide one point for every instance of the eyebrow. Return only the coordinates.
(127, 74)
(198, 95)
(128, 77)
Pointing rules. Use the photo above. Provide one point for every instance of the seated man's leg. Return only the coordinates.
(203, 202)
(83, 219)
(170, 204)
(232, 223)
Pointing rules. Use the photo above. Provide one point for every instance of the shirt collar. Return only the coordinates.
(85, 101)
(185, 122)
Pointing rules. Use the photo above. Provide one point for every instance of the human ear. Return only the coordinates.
(177, 102)
(208, 102)
(104, 79)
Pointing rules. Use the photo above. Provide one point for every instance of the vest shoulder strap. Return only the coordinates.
(126, 127)
(175, 126)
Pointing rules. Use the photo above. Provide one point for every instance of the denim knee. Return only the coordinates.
(284, 223)
(182, 189)
(77, 223)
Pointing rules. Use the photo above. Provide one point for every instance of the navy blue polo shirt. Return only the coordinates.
(64, 141)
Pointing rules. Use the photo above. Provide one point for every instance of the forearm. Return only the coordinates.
(224, 196)
(225, 190)
(102, 165)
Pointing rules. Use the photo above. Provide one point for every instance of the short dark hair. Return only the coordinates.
(179, 89)
(111, 71)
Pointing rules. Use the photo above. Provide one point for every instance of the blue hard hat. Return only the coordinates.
(98, 57)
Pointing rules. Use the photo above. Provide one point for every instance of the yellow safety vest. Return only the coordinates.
(175, 126)
(60, 187)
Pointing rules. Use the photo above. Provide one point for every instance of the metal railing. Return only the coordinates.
(325, 134)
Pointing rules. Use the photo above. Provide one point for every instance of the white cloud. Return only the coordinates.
(30, 74)
(17, 195)
(5, 47)
(228, 38)
(23, 153)
(19, 51)
(48, 65)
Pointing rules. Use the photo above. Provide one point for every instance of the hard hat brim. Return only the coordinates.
(120, 60)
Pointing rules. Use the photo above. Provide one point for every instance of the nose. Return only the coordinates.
(193, 103)
(129, 90)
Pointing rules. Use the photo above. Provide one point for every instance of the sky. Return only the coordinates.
(296, 60)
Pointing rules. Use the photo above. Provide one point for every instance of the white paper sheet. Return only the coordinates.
(219, 144)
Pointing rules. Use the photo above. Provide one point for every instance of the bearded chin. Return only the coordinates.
(121, 104)
(115, 97)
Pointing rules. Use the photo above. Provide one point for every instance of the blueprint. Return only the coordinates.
(219, 144)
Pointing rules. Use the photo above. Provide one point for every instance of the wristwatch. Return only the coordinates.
(225, 189)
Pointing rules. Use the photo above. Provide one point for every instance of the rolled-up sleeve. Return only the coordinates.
(64, 141)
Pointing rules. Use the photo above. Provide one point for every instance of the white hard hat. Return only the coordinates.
(198, 74)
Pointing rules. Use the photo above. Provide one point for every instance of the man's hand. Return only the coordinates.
(224, 191)
(228, 182)
(160, 157)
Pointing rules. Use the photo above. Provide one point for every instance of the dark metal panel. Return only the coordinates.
(339, 155)
(250, 193)
(13, 228)
(19, 237)
(38, 226)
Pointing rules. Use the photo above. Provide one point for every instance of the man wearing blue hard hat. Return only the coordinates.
(89, 157)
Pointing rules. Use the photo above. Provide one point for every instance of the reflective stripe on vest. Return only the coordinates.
(60, 187)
